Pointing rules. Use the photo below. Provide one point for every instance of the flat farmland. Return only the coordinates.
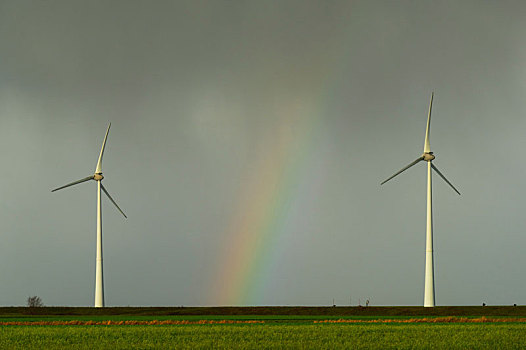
(268, 336)
(269, 328)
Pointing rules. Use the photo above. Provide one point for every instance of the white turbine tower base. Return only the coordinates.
(99, 278)
(97, 176)
(429, 287)
(429, 284)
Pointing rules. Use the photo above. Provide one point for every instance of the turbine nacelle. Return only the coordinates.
(98, 177)
(428, 156)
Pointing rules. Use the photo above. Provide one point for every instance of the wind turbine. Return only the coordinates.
(427, 156)
(97, 176)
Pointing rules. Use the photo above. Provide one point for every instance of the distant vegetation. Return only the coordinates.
(270, 311)
(34, 301)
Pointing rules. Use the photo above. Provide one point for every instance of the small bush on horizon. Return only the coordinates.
(34, 301)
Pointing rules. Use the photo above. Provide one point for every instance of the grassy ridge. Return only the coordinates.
(333, 336)
(372, 311)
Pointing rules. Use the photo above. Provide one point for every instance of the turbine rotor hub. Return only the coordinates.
(98, 177)
(428, 156)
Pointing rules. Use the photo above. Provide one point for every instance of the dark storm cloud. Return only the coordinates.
(196, 91)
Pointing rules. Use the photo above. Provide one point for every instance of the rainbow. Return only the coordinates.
(263, 206)
(270, 195)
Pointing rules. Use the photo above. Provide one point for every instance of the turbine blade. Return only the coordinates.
(443, 177)
(74, 183)
(98, 170)
(111, 199)
(427, 148)
(404, 169)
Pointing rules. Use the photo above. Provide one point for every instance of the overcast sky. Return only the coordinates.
(248, 143)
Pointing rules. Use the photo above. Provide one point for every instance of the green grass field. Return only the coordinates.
(282, 328)
(272, 336)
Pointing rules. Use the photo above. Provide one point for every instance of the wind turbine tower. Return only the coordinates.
(97, 176)
(428, 156)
